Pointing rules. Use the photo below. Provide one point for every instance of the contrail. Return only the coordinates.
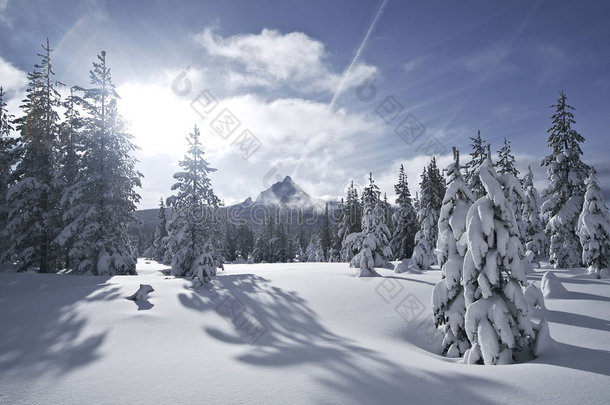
(365, 40)
(345, 72)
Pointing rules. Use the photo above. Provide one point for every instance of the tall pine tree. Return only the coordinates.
(566, 190)
(33, 200)
(194, 208)
(159, 245)
(7, 159)
(404, 219)
(432, 189)
(101, 203)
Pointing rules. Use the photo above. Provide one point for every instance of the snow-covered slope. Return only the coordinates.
(298, 333)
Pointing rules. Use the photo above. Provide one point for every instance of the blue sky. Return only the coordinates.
(449, 67)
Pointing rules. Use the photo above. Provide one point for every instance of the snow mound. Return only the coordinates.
(551, 286)
(407, 266)
(534, 297)
(544, 341)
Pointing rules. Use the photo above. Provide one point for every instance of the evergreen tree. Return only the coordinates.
(159, 245)
(325, 234)
(448, 297)
(416, 205)
(375, 248)
(314, 251)
(69, 148)
(477, 158)
(497, 315)
(193, 225)
(535, 240)
(566, 190)
(101, 203)
(506, 160)
(513, 190)
(351, 226)
(33, 199)
(404, 219)
(594, 228)
(7, 159)
(245, 241)
(261, 251)
(300, 238)
(432, 188)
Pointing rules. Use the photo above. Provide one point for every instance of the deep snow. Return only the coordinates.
(328, 337)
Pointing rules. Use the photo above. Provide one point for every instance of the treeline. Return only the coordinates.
(68, 179)
(410, 229)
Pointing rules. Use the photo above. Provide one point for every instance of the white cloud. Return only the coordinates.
(290, 130)
(12, 79)
(272, 59)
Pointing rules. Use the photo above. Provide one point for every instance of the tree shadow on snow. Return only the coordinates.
(577, 357)
(41, 332)
(582, 321)
(292, 336)
(410, 279)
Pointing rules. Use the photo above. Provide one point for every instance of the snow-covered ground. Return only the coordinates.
(277, 334)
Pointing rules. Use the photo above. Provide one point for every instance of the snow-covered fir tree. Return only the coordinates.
(535, 239)
(159, 245)
(594, 228)
(566, 190)
(432, 189)
(506, 160)
(375, 247)
(245, 241)
(351, 225)
(262, 249)
(387, 208)
(448, 297)
(477, 157)
(314, 251)
(7, 160)
(69, 148)
(497, 320)
(404, 219)
(33, 218)
(193, 227)
(100, 205)
(505, 167)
